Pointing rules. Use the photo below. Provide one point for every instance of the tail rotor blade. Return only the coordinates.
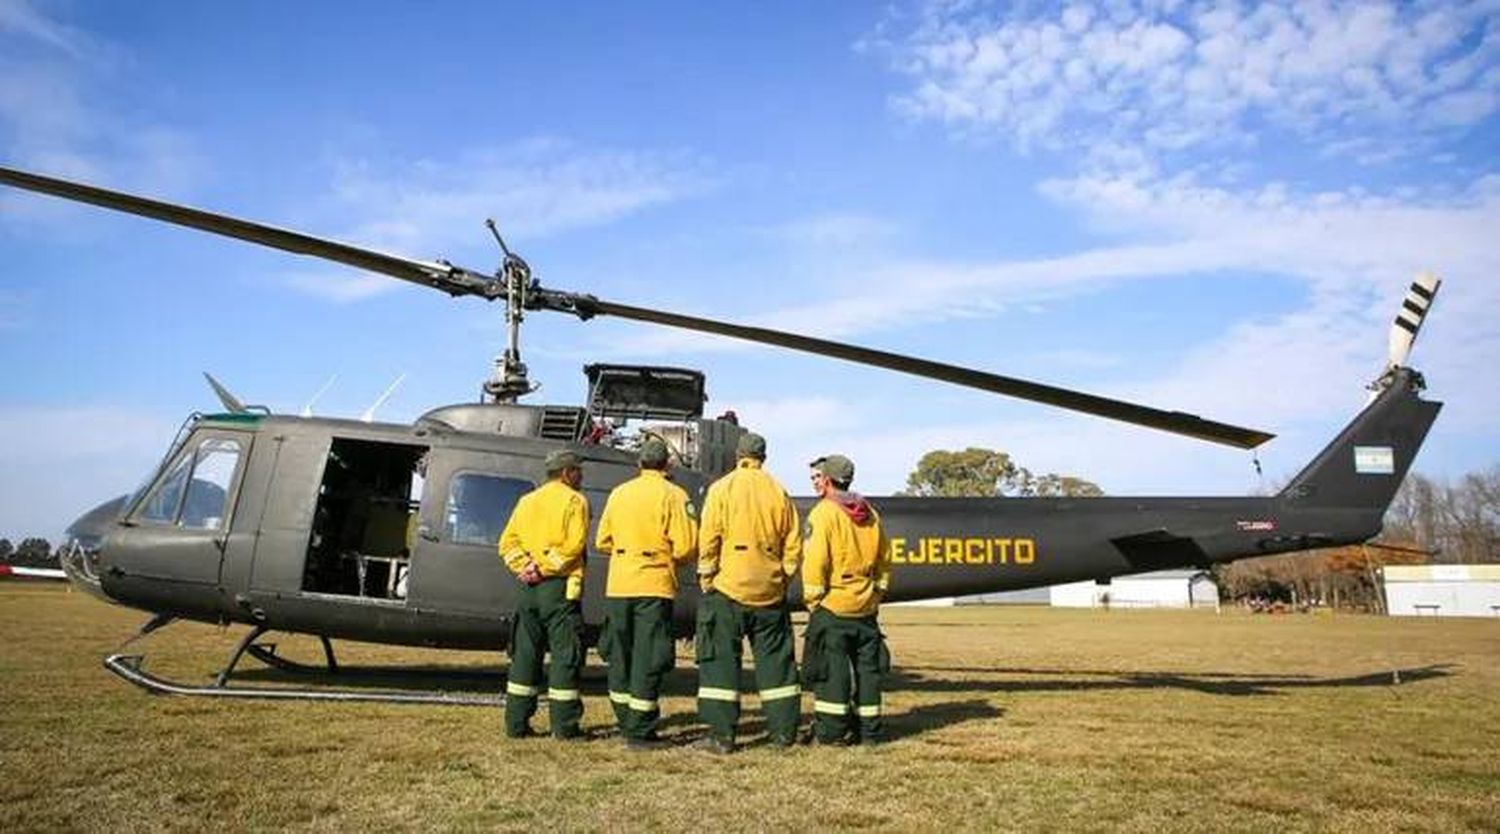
(1409, 318)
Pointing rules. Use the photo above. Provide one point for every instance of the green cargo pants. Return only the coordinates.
(835, 647)
(546, 620)
(636, 643)
(723, 625)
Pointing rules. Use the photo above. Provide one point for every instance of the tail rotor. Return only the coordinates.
(1410, 317)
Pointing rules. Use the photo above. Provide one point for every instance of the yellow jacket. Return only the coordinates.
(646, 529)
(750, 542)
(847, 563)
(550, 526)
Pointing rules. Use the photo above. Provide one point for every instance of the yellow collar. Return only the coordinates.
(747, 463)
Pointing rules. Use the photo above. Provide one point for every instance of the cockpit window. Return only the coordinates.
(195, 491)
(479, 505)
(164, 500)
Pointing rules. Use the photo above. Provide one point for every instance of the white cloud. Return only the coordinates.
(835, 230)
(533, 189)
(1178, 75)
(47, 453)
(22, 18)
(57, 116)
(1298, 373)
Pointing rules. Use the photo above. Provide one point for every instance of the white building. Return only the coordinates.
(1161, 589)
(1442, 590)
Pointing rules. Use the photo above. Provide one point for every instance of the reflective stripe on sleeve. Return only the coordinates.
(813, 591)
(619, 697)
(521, 689)
(830, 708)
(563, 695)
(713, 693)
(871, 711)
(641, 704)
(552, 559)
(777, 693)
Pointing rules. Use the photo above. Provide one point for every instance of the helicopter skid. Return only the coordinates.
(129, 668)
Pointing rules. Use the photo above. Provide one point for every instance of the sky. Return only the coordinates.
(1206, 207)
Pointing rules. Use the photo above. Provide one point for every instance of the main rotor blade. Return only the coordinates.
(446, 277)
(1176, 422)
(459, 281)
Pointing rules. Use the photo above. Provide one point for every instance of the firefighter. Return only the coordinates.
(845, 573)
(747, 552)
(648, 527)
(543, 545)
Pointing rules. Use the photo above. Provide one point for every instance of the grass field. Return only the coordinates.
(1003, 718)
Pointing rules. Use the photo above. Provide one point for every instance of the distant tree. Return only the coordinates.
(988, 473)
(6, 549)
(1458, 522)
(34, 552)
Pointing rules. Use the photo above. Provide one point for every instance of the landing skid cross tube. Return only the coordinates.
(129, 667)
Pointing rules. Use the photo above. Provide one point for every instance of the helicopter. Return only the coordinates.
(386, 533)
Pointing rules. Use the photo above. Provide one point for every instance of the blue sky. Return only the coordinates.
(1208, 207)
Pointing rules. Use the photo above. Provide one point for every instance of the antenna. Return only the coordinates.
(307, 409)
(230, 401)
(369, 414)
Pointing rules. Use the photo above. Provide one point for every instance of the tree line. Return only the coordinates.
(32, 552)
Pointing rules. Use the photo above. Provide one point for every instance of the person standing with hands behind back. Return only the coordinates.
(543, 545)
(647, 529)
(845, 572)
(747, 553)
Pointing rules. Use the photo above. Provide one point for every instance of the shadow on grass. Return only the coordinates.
(938, 679)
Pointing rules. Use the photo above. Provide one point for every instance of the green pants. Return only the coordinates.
(636, 643)
(723, 625)
(546, 620)
(837, 648)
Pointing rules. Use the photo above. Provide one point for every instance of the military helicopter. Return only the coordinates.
(386, 533)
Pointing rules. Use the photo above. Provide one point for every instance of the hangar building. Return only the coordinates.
(1160, 589)
(1442, 590)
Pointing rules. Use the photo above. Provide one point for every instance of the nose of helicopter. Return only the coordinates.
(80, 555)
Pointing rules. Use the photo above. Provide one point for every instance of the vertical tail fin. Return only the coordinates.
(1363, 467)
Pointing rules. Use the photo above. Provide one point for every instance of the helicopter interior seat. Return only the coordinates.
(383, 557)
(358, 545)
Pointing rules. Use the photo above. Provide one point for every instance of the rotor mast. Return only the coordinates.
(508, 381)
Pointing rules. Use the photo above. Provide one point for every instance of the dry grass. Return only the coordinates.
(1004, 719)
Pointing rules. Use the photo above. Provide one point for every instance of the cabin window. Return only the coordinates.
(479, 504)
(195, 492)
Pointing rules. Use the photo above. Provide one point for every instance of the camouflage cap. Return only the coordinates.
(561, 459)
(751, 445)
(838, 468)
(653, 452)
